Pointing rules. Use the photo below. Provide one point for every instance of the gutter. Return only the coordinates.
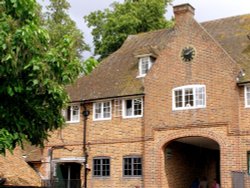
(85, 101)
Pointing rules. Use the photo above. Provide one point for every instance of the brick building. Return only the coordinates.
(168, 106)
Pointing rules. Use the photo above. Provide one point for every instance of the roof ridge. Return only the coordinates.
(149, 32)
(224, 18)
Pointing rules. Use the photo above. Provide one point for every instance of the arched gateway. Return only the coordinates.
(183, 155)
(191, 158)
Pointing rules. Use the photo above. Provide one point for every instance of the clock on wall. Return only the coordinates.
(187, 53)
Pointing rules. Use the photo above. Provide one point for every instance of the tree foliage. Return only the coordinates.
(33, 74)
(89, 65)
(59, 24)
(112, 26)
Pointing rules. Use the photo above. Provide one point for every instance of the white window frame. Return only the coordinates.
(247, 96)
(102, 111)
(144, 59)
(194, 89)
(72, 120)
(132, 109)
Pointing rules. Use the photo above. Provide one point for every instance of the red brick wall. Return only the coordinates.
(224, 120)
(219, 121)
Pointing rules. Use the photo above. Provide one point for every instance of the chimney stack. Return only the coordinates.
(183, 12)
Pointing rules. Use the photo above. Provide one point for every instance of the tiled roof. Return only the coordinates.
(233, 34)
(32, 153)
(116, 75)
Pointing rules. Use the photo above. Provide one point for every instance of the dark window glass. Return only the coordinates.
(101, 167)
(132, 166)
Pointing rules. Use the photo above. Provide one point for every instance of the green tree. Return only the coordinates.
(89, 65)
(59, 24)
(33, 75)
(112, 26)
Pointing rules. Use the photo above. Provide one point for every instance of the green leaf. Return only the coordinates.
(35, 82)
(10, 91)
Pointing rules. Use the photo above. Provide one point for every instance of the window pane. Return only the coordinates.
(248, 99)
(128, 107)
(248, 95)
(105, 167)
(127, 167)
(68, 114)
(137, 107)
(178, 98)
(75, 113)
(137, 167)
(97, 167)
(98, 110)
(200, 96)
(144, 65)
(106, 110)
(189, 97)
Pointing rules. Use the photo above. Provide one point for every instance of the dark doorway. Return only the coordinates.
(68, 175)
(189, 158)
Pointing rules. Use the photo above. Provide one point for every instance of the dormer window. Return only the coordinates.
(145, 63)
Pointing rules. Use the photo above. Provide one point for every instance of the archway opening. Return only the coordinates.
(189, 158)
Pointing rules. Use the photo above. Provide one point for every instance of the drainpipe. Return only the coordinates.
(85, 114)
(51, 159)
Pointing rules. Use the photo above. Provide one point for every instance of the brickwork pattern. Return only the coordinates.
(224, 120)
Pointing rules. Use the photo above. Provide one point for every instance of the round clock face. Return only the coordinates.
(187, 53)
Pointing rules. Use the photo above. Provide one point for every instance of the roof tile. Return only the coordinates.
(116, 75)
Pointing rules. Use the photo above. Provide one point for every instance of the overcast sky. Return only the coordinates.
(204, 10)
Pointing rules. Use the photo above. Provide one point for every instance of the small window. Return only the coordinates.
(189, 97)
(132, 166)
(247, 96)
(132, 108)
(72, 114)
(145, 63)
(102, 110)
(101, 167)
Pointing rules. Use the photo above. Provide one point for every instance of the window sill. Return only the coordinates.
(72, 122)
(132, 177)
(193, 108)
(131, 117)
(101, 177)
(102, 119)
(141, 76)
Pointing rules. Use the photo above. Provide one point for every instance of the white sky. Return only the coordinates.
(204, 10)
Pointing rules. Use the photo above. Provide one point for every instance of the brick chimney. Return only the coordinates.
(183, 12)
